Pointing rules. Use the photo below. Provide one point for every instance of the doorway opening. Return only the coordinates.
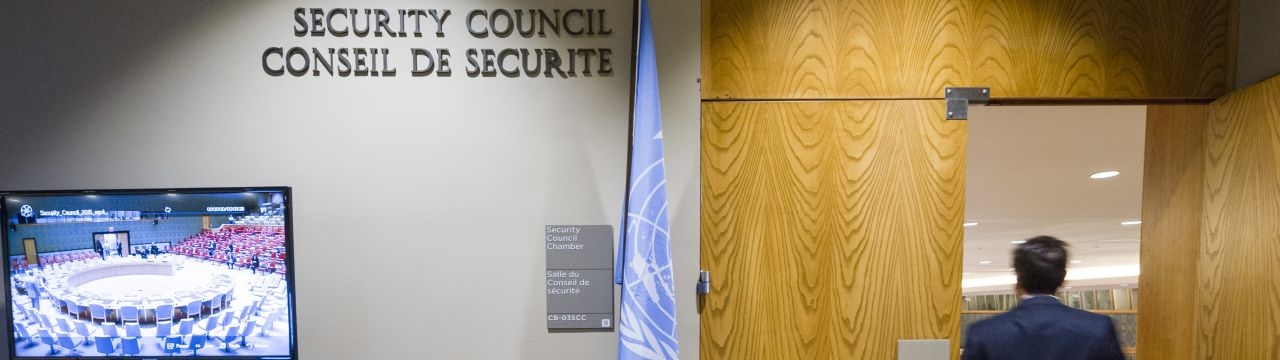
(1071, 172)
(111, 243)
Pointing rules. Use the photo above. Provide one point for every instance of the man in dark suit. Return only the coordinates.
(1041, 327)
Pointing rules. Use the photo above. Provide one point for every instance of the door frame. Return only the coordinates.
(29, 249)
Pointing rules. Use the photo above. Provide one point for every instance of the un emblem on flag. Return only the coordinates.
(647, 325)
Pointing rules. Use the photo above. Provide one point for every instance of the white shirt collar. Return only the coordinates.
(1028, 296)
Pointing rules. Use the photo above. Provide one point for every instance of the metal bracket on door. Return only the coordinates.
(959, 98)
(704, 282)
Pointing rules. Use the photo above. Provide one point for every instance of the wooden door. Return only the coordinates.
(29, 248)
(1238, 268)
(832, 229)
(123, 238)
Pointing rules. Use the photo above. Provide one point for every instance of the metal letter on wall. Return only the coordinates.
(579, 276)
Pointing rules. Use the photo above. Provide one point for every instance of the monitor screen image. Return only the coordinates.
(179, 273)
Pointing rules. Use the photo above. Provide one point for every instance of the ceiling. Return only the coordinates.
(1027, 174)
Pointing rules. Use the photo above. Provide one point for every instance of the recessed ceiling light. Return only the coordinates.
(1015, 242)
(1076, 261)
(984, 262)
(1105, 174)
(1134, 222)
(968, 224)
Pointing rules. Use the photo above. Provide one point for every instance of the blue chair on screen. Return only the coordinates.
(64, 325)
(193, 309)
(216, 303)
(128, 314)
(227, 318)
(164, 313)
(21, 309)
(132, 330)
(246, 312)
(109, 330)
(186, 326)
(163, 330)
(67, 342)
(210, 324)
(23, 334)
(44, 320)
(245, 332)
(270, 321)
(230, 336)
(73, 309)
(104, 345)
(48, 339)
(129, 346)
(197, 343)
(172, 345)
(97, 311)
(83, 330)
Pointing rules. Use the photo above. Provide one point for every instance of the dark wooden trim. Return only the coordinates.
(1000, 101)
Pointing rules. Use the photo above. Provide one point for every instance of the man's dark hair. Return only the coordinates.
(1041, 264)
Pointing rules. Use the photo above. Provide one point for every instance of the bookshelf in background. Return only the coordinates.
(1121, 304)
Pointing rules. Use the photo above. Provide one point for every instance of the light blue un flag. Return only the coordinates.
(647, 323)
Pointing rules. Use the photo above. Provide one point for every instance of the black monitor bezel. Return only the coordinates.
(290, 269)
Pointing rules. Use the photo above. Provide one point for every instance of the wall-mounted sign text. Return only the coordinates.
(579, 276)
(423, 61)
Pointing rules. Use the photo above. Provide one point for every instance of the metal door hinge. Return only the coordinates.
(704, 282)
(959, 98)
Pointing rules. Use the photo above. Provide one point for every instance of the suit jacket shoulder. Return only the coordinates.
(1043, 328)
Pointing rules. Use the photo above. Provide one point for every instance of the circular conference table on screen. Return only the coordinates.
(62, 286)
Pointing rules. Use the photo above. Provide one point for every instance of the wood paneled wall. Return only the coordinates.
(1239, 267)
(789, 49)
(833, 228)
(832, 225)
(1211, 229)
(1172, 195)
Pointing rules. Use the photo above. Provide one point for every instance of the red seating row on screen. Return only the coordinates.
(248, 241)
(19, 263)
(66, 257)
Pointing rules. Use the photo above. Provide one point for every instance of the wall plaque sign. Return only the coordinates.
(579, 276)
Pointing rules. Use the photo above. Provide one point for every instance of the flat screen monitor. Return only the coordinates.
(182, 273)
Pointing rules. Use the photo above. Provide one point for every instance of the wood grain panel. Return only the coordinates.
(790, 49)
(1172, 198)
(833, 229)
(1239, 268)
